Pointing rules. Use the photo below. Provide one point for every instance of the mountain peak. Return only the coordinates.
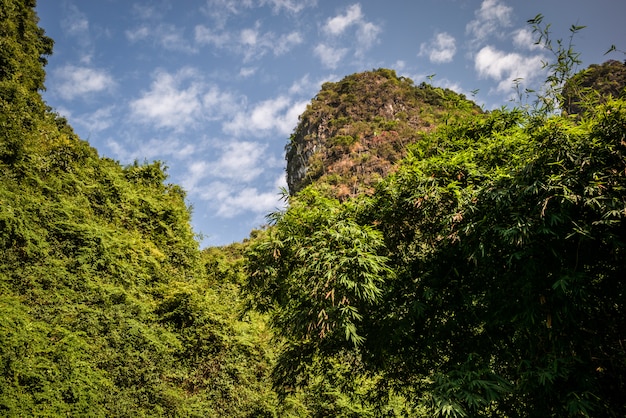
(355, 130)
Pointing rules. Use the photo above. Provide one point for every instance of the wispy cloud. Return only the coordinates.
(208, 36)
(221, 10)
(251, 42)
(338, 24)
(305, 86)
(367, 35)
(150, 12)
(286, 42)
(292, 6)
(127, 150)
(173, 101)
(505, 67)
(492, 16)
(246, 72)
(169, 37)
(279, 115)
(73, 82)
(241, 161)
(76, 24)
(97, 121)
(230, 203)
(352, 22)
(218, 104)
(523, 39)
(329, 55)
(440, 49)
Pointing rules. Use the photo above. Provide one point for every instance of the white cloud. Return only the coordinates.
(249, 42)
(338, 24)
(246, 72)
(524, 39)
(75, 23)
(491, 16)
(240, 161)
(172, 102)
(196, 171)
(181, 100)
(292, 6)
(206, 36)
(221, 10)
(254, 44)
(168, 37)
(219, 104)
(440, 49)
(249, 36)
(278, 115)
(330, 56)
(505, 67)
(173, 39)
(154, 148)
(231, 203)
(99, 120)
(146, 12)
(286, 42)
(399, 65)
(366, 34)
(305, 86)
(139, 34)
(74, 81)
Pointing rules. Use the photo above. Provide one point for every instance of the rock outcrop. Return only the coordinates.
(355, 130)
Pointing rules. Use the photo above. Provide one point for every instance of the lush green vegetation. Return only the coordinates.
(485, 277)
(107, 306)
(481, 276)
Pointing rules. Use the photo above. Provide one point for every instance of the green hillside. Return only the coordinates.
(107, 306)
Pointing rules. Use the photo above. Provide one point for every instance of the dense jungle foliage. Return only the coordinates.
(482, 276)
(107, 306)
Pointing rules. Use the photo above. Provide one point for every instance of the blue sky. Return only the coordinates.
(213, 88)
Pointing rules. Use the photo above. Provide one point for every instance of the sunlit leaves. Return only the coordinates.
(316, 269)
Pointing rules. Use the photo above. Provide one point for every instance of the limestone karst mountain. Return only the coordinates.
(355, 130)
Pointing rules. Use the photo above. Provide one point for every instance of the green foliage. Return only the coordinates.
(483, 277)
(505, 235)
(107, 306)
(594, 86)
(560, 69)
(317, 235)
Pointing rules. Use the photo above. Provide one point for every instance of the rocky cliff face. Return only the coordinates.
(355, 130)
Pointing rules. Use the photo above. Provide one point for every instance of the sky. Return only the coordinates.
(213, 88)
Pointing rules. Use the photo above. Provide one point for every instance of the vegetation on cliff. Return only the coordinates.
(484, 277)
(434, 260)
(107, 306)
(355, 131)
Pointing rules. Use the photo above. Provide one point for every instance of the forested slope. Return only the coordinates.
(434, 260)
(484, 276)
(107, 306)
